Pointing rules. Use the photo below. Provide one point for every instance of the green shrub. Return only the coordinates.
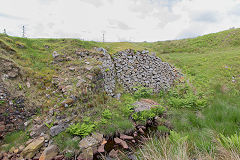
(107, 114)
(83, 129)
(148, 114)
(127, 110)
(142, 92)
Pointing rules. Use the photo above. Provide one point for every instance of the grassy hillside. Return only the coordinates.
(211, 64)
(204, 110)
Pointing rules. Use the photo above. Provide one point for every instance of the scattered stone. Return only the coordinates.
(101, 148)
(21, 46)
(28, 84)
(32, 148)
(141, 130)
(101, 50)
(87, 154)
(89, 76)
(72, 69)
(88, 68)
(55, 130)
(46, 46)
(59, 157)
(113, 153)
(117, 140)
(121, 142)
(88, 142)
(67, 102)
(49, 153)
(135, 134)
(20, 148)
(98, 136)
(55, 54)
(126, 137)
(38, 129)
(11, 150)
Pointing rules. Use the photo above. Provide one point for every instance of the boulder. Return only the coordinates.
(49, 153)
(32, 148)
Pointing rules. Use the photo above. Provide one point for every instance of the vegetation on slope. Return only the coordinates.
(204, 108)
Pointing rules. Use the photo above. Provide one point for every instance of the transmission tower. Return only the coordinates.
(23, 32)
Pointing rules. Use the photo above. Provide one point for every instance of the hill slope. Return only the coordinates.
(50, 71)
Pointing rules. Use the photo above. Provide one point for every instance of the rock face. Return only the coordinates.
(133, 69)
(13, 111)
(32, 148)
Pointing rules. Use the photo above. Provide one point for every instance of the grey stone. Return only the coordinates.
(55, 130)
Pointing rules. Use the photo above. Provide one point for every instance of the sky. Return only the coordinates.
(118, 20)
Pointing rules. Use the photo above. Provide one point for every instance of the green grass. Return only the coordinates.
(15, 139)
(202, 108)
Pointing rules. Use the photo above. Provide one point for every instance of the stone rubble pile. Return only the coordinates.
(133, 69)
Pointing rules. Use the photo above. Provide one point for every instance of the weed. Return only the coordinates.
(49, 125)
(142, 92)
(2, 102)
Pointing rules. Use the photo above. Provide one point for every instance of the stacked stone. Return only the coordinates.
(141, 69)
(109, 74)
(133, 69)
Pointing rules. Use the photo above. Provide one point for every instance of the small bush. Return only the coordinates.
(81, 129)
(148, 114)
(127, 110)
(107, 114)
(142, 92)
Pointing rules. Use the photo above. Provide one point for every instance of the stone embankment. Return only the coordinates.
(134, 68)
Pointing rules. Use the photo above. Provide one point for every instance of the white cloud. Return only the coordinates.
(120, 20)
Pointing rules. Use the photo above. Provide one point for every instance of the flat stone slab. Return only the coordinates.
(144, 104)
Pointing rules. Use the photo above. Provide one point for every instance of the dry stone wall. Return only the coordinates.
(134, 68)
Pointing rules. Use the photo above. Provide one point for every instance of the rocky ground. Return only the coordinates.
(82, 84)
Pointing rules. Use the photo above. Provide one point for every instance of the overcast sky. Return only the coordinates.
(120, 20)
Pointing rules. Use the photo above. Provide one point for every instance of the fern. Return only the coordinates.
(81, 129)
(232, 142)
(176, 138)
